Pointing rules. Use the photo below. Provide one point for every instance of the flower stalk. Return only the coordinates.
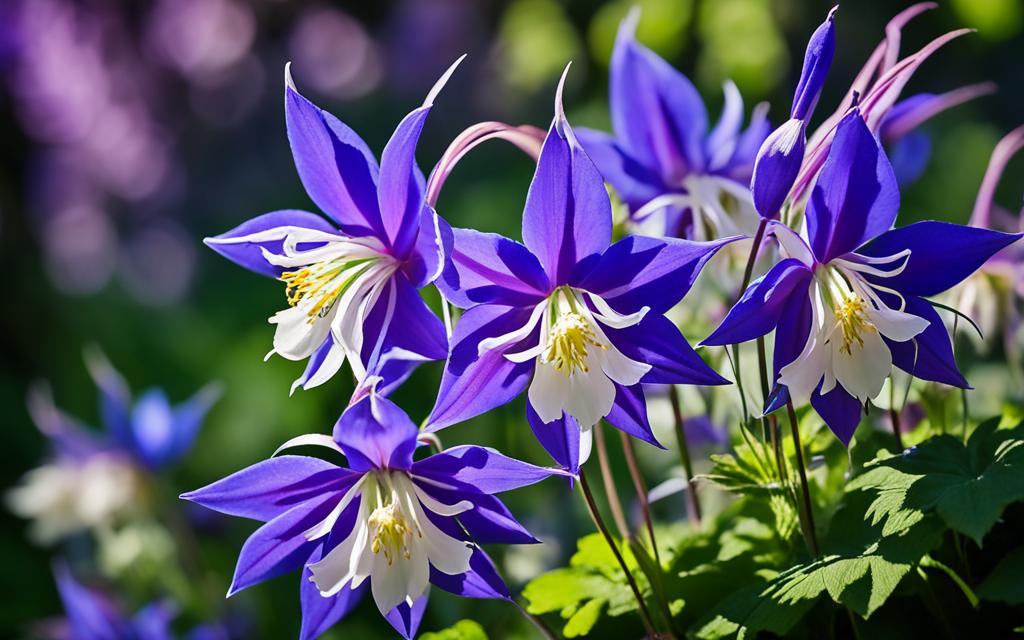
(641, 490)
(805, 509)
(694, 511)
(610, 490)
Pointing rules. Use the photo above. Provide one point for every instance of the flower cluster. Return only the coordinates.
(571, 317)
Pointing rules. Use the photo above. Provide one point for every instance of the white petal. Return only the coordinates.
(514, 336)
(296, 338)
(793, 246)
(438, 507)
(310, 439)
(548, 392)
(332, 362)
(591, 396)
(390, 582)
(324, 527)
(612, 318)
(618, 366)
(586, 444)
(862, 371)
(896, 325)
(337, 568)
(446, 554)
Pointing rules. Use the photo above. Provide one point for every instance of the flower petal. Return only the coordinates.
(319, 613)
(250, 254)
(269, 488)
(485, 469)
(474, 382)
(856, 197)
(560, 438)
(941, 254)
(337, 169)
(376, 434)
(481, 581)
(929, 355)
(629, 414)
(489, 268)
(406, 619)
(817, 61)
(658, 342)
(839, 410)
(634, 183)
(568, 216)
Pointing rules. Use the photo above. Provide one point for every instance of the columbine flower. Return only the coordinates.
(677, 179)
(848, 302)
(384, 520)
(582, 318)
(350, 279)
(93, 478)
(90, 615)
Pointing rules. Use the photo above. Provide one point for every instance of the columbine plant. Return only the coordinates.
(384, 520)
(579, 321)
(848, 301)
(677, 179)
(350, 280)
(94, 478)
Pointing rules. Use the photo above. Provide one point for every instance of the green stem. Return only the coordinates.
(748, 272)
(610, 490)
(536, 621)
(694, 512)
(806, 511)
(641, 490)
(588, 497)
(894, 418)
(931, 562)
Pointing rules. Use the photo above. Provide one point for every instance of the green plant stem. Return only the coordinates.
(806, 512)
(640, 486)
(694, 512)
(536, 621)
(894, 418)
(610, 490)
(588, 497)
(748, 272)
(963, 404)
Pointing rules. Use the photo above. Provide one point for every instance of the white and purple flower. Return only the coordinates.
(350, 279)
(385, 521)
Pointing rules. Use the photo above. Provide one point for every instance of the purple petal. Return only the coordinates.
(629, 414)
(568, 216)
(928, 356)
(405, 619)
(153, 622)
(658, 342)
(855, 197)
(632, 181)
(375, 434)
(721, 142)
(561, 438)
(336, 167)
(400, 333)
(656, 111)
(115, 396)
(942, 254)
(489, 268)
(487, 470)
(314, 363)
(817, 61)
(839, 410)
(777, 166)
(319, 613)
(639, 271)
(402, 186)
(791, 334)
(153, 426)
(489, 521)
(909, 156)
(473, 384)
(250, 254)
(279, 546)
(908, 114)
(481, 581)
(89, 614)
(749, 143)
(425, 262)
(762, 304)
(269, 488)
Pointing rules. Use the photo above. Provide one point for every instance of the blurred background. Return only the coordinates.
(133, 129)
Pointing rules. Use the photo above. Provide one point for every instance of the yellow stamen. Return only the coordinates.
(322, 283)
(568, 342)
(853, 321)
(392, 532)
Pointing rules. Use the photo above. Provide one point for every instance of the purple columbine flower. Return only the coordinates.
(90, 615)
(383, 521)
(849, 300)
(780, 157)
(350, 279)
(583, 319)
(662, 161)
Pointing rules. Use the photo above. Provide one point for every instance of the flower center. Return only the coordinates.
(319, 285)
(853, 321)
(568, 341)
(392, 532)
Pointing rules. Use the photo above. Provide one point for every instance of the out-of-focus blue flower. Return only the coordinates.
(673, 173)
(582, 317)
(384, 521)
(91, 615)
(849, 300)
(351, 280)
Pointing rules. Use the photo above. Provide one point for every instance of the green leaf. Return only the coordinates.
(461, 630)
(1004, 584)
(968, 486)
(592, 581)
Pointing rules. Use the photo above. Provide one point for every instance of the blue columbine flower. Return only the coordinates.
(662, 161)
(581, 318)
(385, 520)
(848, 301)
(349, 279)
(91, 615)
